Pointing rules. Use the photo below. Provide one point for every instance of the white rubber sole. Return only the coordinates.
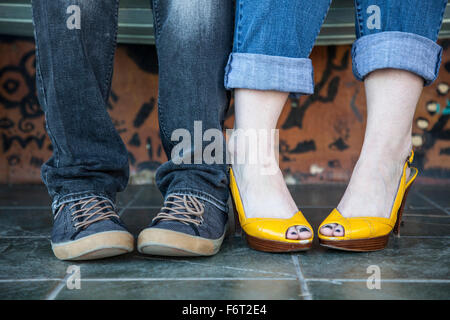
(96, 246)
(162, 242)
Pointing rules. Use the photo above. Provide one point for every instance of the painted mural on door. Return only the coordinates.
(320, 135)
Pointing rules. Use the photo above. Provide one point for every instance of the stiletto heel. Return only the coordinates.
(267, 234)
(398, 223)
(370, 233)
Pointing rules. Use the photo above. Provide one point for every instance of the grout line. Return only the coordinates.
(63, 281)
(414, 208)
(425, 215)
(186, 279)
(303, 284)
(54, 293)
(191, 279)
(424, 197)
(381, 280)
(29, 280)
(429, 223)
(130, 202)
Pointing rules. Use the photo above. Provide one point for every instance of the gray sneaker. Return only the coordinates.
(89, 228)
(185, 226)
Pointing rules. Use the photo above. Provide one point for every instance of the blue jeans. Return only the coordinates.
(273, 40)
(74, 68)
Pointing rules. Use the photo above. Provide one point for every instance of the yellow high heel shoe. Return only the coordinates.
(370, 233)
(268, 234)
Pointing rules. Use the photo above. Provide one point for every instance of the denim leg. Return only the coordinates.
(399, 35)
(272, 42)
(193, 40)
(75, 44)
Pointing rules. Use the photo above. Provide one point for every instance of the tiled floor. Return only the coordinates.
(414, 266)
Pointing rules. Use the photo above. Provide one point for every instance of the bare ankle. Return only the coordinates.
(253, 147)
(394, 150)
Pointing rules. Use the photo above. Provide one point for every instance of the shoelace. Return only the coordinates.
(96, 212)
(185, 209)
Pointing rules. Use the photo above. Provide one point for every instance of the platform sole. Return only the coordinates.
(358, 245)
(97, 246)
(370, 244)
(277, 246)
(162, 242)
(265, 245)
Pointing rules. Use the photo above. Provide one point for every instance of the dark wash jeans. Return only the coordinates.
(74, 68)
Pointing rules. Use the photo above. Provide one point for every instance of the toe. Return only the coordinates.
(338, 231)
(327, 230)
(304, 232)
(292, 233)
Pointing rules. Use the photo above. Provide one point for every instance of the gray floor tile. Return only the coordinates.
(139, 196)
(204, 290)
(138, 219)
(431, 212)
(234, 260)
(145, 196)
(315, 216)
(236, 253)
(413, 201)
(24, 195)
(124, 197)
(421, 253)
(32, 290)
(404, 258)
(29, 259)
(438, 194)
(419, 223)
(315, 195)
(26, 222)
(388, 291)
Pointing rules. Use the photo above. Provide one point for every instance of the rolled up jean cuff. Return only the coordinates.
(264, 72)
(396, 50)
